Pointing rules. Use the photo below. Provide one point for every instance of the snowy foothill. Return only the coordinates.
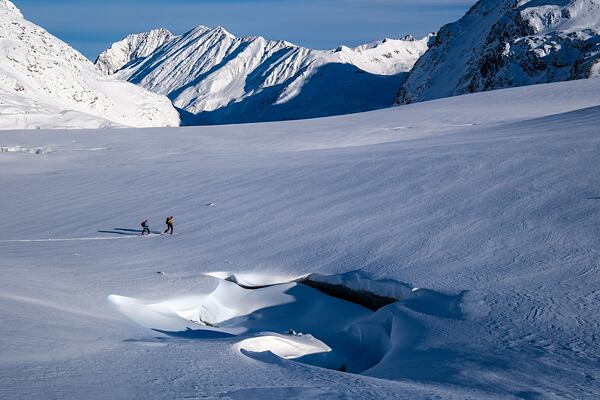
(45, 84)
(471, 222)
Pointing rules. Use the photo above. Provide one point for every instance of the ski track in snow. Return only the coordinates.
(70, 239)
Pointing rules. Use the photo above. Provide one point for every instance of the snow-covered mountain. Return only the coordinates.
(214, 77)
(131, 48)
(507, 43)
(44, 83)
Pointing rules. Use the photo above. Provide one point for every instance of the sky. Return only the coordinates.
(93, 25)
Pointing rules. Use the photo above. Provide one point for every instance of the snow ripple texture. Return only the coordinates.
(44, 83)
(509, 43)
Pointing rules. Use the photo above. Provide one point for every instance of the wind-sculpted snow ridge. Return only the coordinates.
(131, 48)
(357, 287)
(44, 83)
(214, 77)
(508, 43)
(296, 321)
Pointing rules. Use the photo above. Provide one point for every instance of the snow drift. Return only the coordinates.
(44, 83)
(507, 43)
(214, 77)
(295, 321)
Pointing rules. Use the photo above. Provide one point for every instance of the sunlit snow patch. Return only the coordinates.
(285, 346)
(256, 280)
(222, 308)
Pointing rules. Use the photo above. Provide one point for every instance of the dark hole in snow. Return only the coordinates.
(368, 300)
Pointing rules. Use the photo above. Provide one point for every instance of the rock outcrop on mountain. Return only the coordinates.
(213, 77)
(507, 43)
(44, 83)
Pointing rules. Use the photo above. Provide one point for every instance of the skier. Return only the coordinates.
(169, 223)
(145, 227)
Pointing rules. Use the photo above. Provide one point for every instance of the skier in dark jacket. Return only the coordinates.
(145, 227)
(169, 223)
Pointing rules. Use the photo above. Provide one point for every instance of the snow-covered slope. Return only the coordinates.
(507, 43)
(215, 77)
(131, 48)
(479, 213)
(44, 83)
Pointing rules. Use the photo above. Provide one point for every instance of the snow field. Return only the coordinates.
(492, 197)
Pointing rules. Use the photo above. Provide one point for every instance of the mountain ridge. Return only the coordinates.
(131, 48)
(213, 77)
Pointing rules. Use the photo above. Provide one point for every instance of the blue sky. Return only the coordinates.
(92, 25)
